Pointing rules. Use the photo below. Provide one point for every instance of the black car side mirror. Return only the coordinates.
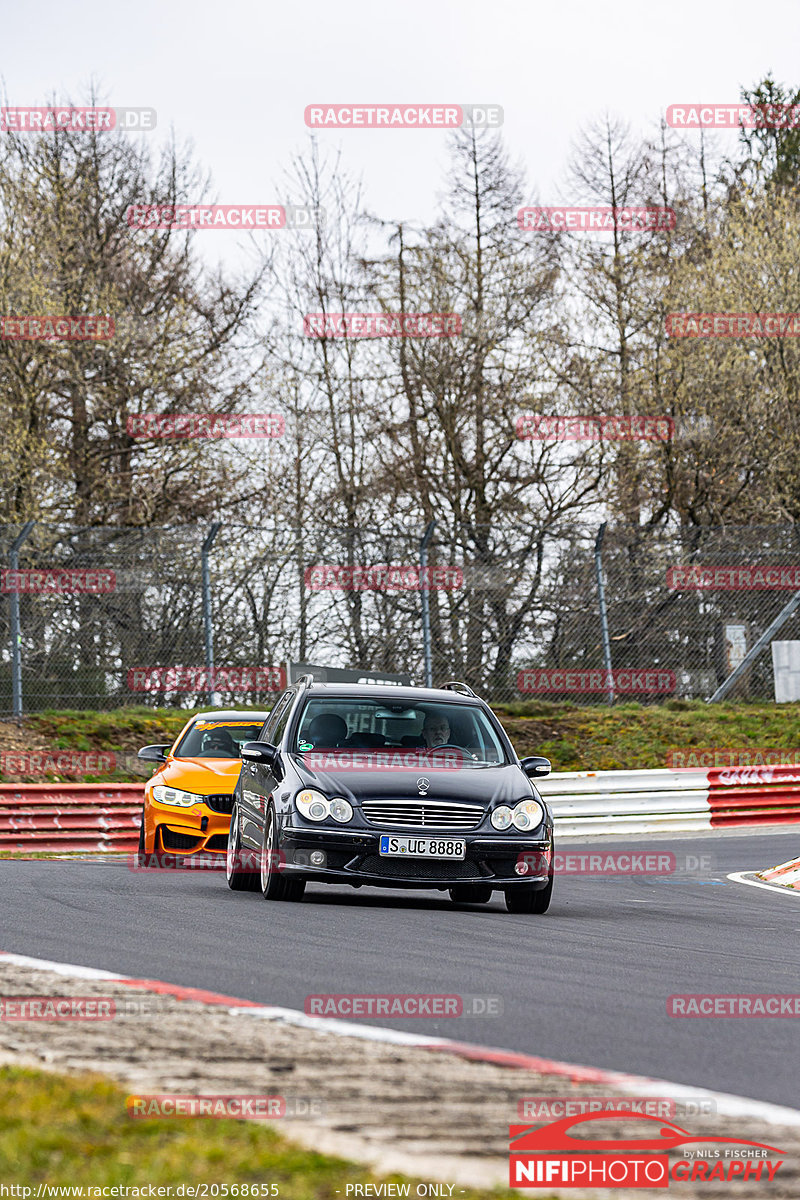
(536, 767)
(154, 753)
(261, 752)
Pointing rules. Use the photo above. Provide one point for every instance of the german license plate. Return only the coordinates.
(423, 847)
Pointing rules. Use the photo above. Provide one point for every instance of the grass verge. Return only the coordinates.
(633, 736)
(74, 1130)
(595, 737)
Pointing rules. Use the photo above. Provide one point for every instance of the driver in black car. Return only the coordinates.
(436, 730)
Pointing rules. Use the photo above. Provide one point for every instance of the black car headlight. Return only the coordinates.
(526, 815)
(502, 817)
(314, 806)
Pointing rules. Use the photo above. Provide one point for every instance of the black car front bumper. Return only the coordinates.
(353, 857)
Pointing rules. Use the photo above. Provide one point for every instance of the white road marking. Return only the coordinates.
(77, 972)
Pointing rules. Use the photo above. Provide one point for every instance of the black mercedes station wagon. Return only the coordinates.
(386, 786)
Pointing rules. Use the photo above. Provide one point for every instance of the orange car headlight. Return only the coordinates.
(168, 795)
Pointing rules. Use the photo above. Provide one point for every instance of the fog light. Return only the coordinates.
(521, 867)
(317, 858)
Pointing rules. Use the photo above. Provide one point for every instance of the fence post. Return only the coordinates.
(601, 596)
(16, 633)
(426, 613)
(208, 626)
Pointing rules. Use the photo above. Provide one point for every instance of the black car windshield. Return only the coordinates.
(343, 724)
(216, 739)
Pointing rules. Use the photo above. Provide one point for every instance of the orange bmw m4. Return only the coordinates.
(188, 800)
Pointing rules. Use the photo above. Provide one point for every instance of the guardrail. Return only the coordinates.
(585, 802)
(97, 816)
(70, 816)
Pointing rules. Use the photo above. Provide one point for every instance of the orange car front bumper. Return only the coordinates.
(184, 831)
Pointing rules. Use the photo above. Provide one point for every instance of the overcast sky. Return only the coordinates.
(235, 77)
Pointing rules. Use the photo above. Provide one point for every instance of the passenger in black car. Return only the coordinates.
(327, 730)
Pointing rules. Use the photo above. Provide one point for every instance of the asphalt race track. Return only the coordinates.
(587, 983)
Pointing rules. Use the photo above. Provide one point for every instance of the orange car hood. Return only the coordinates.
(202, 775)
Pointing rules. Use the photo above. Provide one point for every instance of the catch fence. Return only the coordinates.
(102, 617)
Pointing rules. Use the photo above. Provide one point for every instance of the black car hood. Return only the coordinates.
(470, 785)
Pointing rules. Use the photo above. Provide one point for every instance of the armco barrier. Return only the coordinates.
(70, 816)
(623, 802)
(96, 816)
(585, 802)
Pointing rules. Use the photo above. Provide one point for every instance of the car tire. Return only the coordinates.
(271, 882)
(526, 899)
(294, 889)
(141, 857)
(470, 893)
(238, 880)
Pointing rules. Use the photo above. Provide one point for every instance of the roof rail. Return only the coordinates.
(454, 685)
(305, 680)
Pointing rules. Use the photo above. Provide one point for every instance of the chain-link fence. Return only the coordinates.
(103, 617)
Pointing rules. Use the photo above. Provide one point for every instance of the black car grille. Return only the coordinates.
(221, 803)
(218, 842)
(177, 841)
(425, 814)
(419, 868)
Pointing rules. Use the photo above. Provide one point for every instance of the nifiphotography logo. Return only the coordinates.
(552, 1155)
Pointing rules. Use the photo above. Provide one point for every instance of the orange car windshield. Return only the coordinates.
(216, 739)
